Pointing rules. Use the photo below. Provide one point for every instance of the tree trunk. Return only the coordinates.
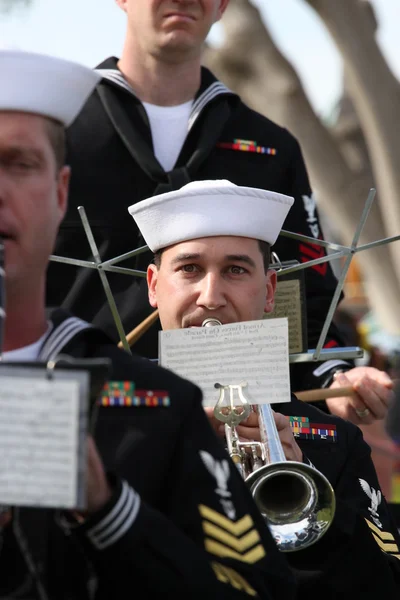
(268, 83)
(376, 95)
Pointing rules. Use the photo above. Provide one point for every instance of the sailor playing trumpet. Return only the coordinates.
(211, 243)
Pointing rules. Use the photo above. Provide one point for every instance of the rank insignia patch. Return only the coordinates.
(247, 146)
(302, 429)
(233, 578)
(385, 540)
(376, 498)
(124, 393)
(231, 539)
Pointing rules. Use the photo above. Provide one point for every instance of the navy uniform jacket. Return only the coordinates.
(359, 556)
(113, 166)
(181, 523)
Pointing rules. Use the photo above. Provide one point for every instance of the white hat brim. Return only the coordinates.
(44, 85)
(210, 208)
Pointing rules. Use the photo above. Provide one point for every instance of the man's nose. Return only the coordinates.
(211, 293)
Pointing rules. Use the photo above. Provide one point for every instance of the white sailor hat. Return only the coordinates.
(210, 208)
(44, 85)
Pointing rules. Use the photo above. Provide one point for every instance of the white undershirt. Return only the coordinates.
(26, 353)
(169, 126)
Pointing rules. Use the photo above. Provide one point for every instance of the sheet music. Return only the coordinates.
(288, 304)
(253, 351)
(40, 432)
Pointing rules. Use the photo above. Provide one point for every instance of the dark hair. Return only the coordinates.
(264, 247)
(56, 134)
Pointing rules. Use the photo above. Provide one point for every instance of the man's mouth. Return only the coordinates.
(182, 16)
(6, 237)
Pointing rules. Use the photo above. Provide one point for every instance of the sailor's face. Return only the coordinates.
(221, 277)
(171, 27)
(33, 194)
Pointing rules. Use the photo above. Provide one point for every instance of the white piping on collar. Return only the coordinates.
(215, 89)
(60, 335)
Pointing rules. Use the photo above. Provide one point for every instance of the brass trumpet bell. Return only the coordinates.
(296, 501)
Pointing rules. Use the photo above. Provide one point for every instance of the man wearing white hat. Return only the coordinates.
(211, 243)
(150, 497)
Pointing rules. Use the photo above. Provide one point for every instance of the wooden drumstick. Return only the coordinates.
(324, 393)
(140, 329)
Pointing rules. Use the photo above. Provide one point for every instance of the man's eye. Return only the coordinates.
(22, 165)
(189, 268)
(237, 270)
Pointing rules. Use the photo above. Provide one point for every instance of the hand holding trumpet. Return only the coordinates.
(249, 430)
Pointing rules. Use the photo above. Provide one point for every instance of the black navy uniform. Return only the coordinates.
(113, 165)
(181, 523)
(359, 556)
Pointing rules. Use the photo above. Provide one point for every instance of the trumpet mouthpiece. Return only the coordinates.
(211, 322)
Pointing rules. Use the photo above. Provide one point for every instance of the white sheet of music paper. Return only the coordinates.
(255, 352)
(288, 304)
(41, 441)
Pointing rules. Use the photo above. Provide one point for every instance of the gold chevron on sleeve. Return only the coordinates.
(385, 546)
(239, 540)
(230, 576)
(384, 539)
(237, 528)
(252, 556)
(383, 535)
(244, 543)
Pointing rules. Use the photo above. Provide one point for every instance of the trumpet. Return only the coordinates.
(296, 500)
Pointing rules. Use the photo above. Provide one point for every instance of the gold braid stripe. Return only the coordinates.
(218, 549)
(242, 544)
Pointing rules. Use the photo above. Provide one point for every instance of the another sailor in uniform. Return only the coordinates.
(157, 120)
(156, 524)
(211, 242)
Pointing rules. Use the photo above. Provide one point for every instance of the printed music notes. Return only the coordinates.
(43, 426)
(252, 351)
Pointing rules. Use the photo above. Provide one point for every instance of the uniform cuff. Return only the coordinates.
(115, 520)
(324, 373)
(106, 527)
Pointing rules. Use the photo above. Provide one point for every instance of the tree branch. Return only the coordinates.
(375, 92)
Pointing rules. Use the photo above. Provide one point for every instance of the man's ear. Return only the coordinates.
(152, 276)
(63, 179)
(222, 8)
(270, 291)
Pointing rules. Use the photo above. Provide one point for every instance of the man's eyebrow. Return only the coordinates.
(185, 256)
(244, 258)
(15, 152)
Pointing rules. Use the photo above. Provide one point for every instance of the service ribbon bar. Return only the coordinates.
(151, 398)
(302, 429)
(123, 393)
(246, 146)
